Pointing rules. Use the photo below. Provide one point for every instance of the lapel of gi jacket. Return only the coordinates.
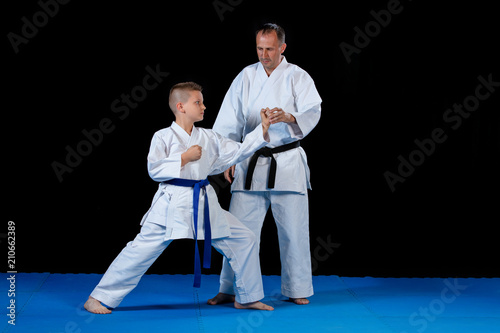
(261, 88)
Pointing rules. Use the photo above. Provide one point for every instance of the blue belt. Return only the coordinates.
(197, 186)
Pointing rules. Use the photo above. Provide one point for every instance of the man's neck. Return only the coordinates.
(272, 70)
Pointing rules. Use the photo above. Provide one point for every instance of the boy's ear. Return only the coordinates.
(180, 107)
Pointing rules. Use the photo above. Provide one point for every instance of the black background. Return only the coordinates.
(442, 221)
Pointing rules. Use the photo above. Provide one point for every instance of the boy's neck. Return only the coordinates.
(186, 125)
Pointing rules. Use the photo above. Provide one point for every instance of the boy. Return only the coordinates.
(181, 155)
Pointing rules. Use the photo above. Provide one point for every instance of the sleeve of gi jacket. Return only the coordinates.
(162, 166)
(308, 104)
(232, 152)
(230, 121)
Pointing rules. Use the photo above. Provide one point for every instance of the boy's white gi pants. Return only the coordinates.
(291, 214)
(240, 250)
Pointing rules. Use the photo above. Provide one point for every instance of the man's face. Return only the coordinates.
(269, 51)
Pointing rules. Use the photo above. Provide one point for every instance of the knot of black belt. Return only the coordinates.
(267, 152)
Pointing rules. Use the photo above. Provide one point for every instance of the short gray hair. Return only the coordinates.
(268, 27)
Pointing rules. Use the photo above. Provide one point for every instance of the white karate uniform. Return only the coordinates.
(288, 87)
(171, 214)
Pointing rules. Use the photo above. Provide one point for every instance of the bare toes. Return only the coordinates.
(299, 301)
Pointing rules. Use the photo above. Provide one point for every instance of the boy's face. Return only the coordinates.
(194, 108)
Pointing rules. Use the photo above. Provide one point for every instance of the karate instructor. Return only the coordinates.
(277, 175)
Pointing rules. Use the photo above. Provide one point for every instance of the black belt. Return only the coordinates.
(267, 152)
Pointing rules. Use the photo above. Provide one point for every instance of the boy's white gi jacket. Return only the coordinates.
(173, 205)
(288, 87)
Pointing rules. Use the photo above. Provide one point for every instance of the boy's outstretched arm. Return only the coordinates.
(229, 173)
(265, 122)
(232, 152)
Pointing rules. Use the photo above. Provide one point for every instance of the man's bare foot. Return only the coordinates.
(221, 298)
(254, 305)
(94, 306)
(299, 301)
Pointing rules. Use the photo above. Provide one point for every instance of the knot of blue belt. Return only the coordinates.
(267, 152)
(197, 185)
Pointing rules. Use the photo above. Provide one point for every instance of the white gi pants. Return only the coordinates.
(240, 250)
(291, 214)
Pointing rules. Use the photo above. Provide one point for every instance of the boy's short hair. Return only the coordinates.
(269, 27)
(180, 93)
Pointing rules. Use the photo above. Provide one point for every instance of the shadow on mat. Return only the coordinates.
(155, 307)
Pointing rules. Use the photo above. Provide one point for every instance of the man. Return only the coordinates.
(279, 179)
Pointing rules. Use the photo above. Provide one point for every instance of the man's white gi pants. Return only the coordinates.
(291, 214)
(240, 250)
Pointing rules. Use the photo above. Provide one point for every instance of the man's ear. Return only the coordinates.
(282, 48)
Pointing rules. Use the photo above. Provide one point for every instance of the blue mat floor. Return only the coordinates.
(53, 303)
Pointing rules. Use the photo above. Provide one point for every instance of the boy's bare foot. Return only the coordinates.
(254, 305)
(221, 298)
(94, 306)
(299, 301)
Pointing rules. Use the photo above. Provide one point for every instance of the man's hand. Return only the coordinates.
(191, 155)
(277, 115)
(229, 174)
